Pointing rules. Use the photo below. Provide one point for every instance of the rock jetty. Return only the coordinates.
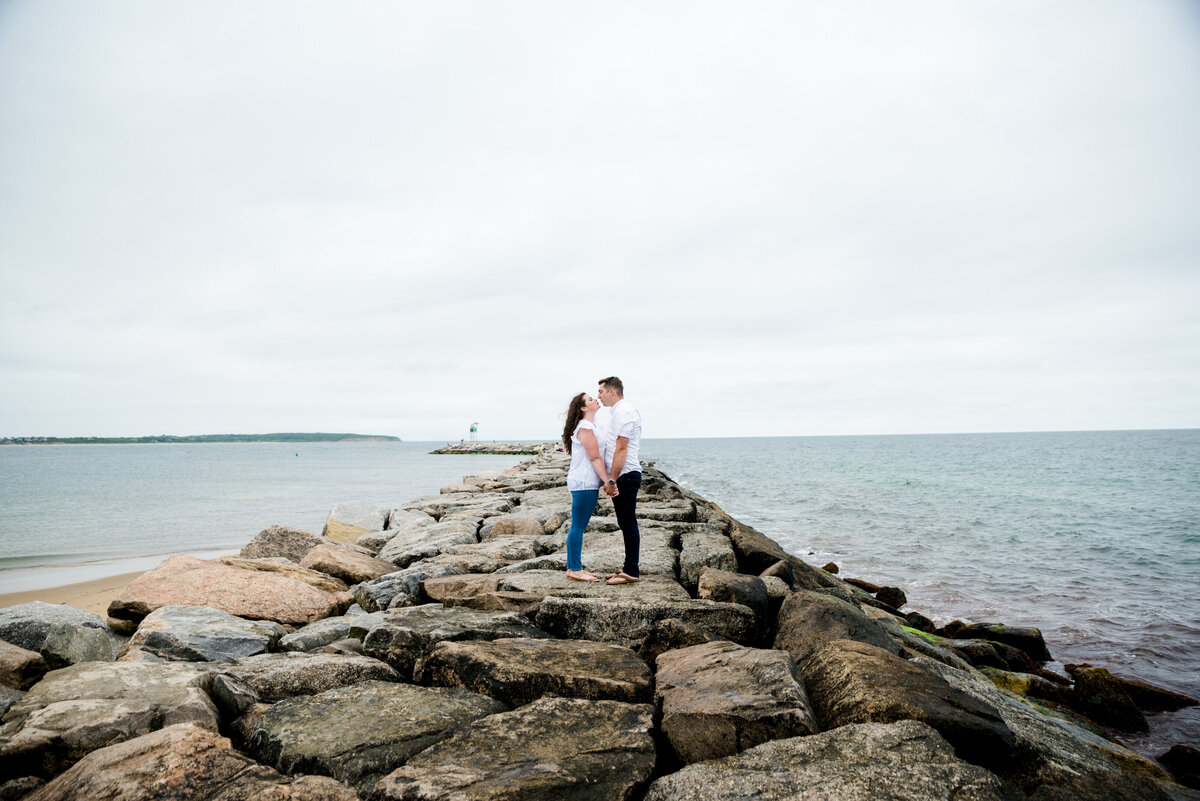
(435, 650)
(499, 448)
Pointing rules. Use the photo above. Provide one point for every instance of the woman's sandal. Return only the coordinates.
(581, 575)
(621, 578)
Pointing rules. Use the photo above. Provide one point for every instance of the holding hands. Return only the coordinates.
(610, 488)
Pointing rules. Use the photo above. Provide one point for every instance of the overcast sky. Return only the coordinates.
(767, 218)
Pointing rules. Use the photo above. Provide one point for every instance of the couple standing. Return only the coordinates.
(603, 458)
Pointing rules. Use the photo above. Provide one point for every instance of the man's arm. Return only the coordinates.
(618, 459)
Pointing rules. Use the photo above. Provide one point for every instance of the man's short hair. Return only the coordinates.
(612, 382)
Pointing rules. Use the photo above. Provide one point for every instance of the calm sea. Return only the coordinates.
(1092, 536)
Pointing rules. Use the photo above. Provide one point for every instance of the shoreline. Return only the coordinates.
(90, 596)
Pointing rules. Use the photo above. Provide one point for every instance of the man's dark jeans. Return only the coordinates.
(625, 505)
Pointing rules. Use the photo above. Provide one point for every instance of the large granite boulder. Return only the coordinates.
(547, 583)
(518, 670)
(345, 564)
(463, 585)
(63, 635)
(630, 620)
(401, 588)
(735, 588)
(853, 682)
(357, 734)
(1099, 696)
(720, 698)
(401, 637)
(1025, 638)
(184, 762)
(78, 709)
(563, 749)
(755, 551)
(316, 636)
(346, 522)
(273, 541)
(412, 546)
(20, 668)
(704, 546)
(199, 634)
(519, 524)
(809, 620)
(182, 580)
(903, 761)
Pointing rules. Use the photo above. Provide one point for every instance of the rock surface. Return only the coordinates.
(20, 668)
(62, 634)
(518, 671)
(720, 698)
(290, 543)
(629, 621)
(904, 761)
(345, 564)
(183, 762)
(254, 594)
(359, 733)
(554, 748)
(199, 634)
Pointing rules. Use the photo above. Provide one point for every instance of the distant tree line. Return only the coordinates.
(317, 437)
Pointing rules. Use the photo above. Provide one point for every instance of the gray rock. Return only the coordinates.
(200, 634)
(853, 682)
(364, 516)
(20, 668)
(521, 523)
(553, 583)
(359, 733)
(555, 748)
(809, 620)
(184, 761)
(721, 698)
(273, 677)
(479, 504)
(518, 671)
(905, 761)
(413, 546)
(504, 550)
(316, 636)
(15, 789)
(629, 621)
(402, 588)
(735, 588)
(403, 520)
(78, 709)
(62, 634)
(290, 543)
(8, 697)
(704, 546)
(403, 636)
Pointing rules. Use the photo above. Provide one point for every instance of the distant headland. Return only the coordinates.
(199, 438)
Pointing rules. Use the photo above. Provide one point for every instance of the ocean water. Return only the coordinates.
(71, 513)
(1093, 537)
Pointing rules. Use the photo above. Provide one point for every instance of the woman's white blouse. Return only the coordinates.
(582, 476)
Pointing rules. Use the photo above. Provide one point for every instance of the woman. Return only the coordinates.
(587, 474)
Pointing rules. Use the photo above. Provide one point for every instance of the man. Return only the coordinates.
(625, 472)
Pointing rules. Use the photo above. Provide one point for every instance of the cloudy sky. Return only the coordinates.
(768, 218)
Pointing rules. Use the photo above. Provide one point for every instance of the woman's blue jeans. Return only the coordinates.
(583, 504)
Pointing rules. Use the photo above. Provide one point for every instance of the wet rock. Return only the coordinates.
(183, 761)
(402, 588)
(1024, 638)
(518, 671)
(345, 564)
(670, 634)
(831, 567)
(629, 621)
(200, 634)
(902, 761)
(273, 677)
(781, 570)
(892, 596)
(1100, 697)
(721, 698)
(63, 635)
(290, 543)
(981, 653)
(412, 546)
(853, 682)
(359, 733)
(316, 636)
(403, 636)
(919, 622)
(78, 709)
(554, 748)
(254, 594)
(1026, 684)
(865, 586)
(346, 522)
(808, 620)
(1106, 785)
(1150, 698)
(700, 547)
(734, 588)
(1183, 762)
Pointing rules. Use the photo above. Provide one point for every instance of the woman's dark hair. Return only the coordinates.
(574, 415)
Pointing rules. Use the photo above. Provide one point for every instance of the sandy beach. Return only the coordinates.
(91, 596)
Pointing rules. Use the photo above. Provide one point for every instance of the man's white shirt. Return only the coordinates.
(624, 420)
